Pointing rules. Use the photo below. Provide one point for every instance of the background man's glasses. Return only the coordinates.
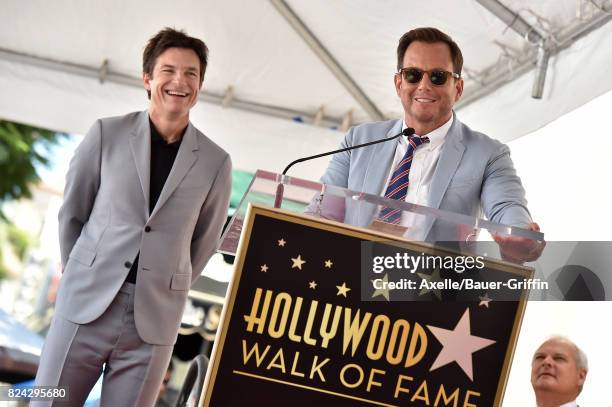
(437, 77)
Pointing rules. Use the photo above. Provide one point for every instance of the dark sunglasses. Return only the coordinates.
(437, 77)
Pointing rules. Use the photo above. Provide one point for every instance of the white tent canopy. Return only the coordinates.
(52, 57)
(262, 69)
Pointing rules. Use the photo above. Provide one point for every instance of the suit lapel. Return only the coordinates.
(449, 160)
(450, 156)
(185, 158)
(140, 144)
(375, 176)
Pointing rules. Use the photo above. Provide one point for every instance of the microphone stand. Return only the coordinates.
(280, 189)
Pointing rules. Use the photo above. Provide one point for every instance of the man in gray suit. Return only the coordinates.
(145, 200)
(454, 168)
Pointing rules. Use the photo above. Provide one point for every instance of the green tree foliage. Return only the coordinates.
(22, 148)
(3, 270)
(15, 240)
(20, 240)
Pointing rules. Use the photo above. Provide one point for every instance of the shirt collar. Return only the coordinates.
(436, 136)
(570, 404)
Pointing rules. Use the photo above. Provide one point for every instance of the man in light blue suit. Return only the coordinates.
(457, 169)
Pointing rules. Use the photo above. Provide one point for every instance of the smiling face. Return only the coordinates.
(174, 84)
(427, 106)
(554, 370)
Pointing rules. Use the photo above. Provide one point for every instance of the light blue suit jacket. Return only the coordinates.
(474, 174)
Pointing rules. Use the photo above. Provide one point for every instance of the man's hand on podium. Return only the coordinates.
(520, 250)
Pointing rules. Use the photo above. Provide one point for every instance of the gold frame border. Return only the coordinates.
(332, 226)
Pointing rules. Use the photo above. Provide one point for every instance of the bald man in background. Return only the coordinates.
(558, 371)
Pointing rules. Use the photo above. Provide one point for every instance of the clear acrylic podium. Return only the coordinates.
(419, 223)
(325, 247)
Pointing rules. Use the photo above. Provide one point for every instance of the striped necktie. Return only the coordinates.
(398, 185)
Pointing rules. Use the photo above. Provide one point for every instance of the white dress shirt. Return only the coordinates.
(570, 404)
(424, 162)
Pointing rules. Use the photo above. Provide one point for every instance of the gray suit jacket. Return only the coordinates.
(106, 209)
(474, 175)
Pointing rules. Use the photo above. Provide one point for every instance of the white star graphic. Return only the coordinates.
(328, 264)
(264, 268)
(281, 242)
(458, 345)
(312, 284)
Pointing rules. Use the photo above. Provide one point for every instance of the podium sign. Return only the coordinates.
(295, 330)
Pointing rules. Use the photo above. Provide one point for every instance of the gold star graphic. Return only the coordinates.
(343, 289)
(328, 264)
(382, 291)
(264, 268)
(434, 277)
(312, 284)
(281, 242)
(297, 262)
(485, 300)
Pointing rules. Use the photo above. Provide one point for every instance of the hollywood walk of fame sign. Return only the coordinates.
(295, 330)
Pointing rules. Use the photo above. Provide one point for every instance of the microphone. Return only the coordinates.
(408, 131)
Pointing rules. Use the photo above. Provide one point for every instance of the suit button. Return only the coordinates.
(127, 265)
(147, 229)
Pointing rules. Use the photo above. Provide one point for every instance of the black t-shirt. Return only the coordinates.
(163, 155)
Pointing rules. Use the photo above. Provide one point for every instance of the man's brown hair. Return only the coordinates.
(429, 35)
(171, 38)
